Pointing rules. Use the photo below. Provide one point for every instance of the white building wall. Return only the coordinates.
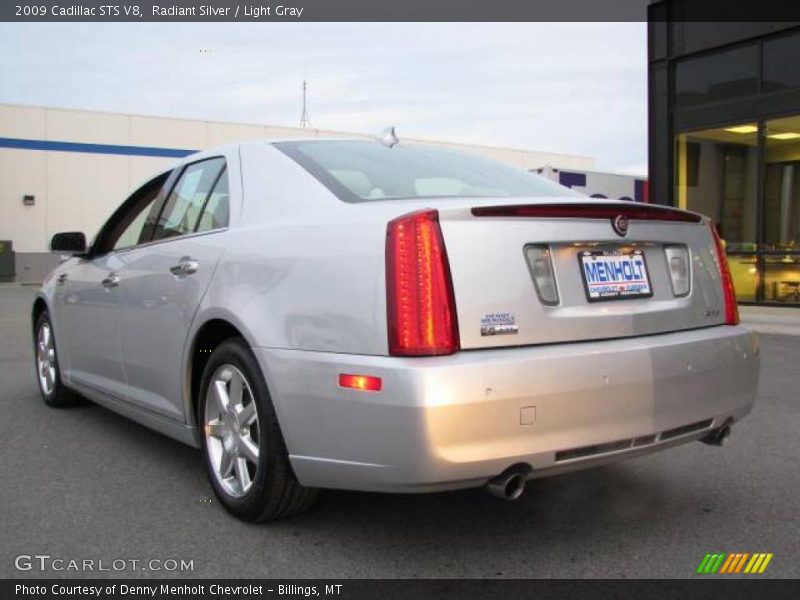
(78, 190)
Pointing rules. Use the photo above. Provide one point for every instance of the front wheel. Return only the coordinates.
(48, 374)
(246, 457)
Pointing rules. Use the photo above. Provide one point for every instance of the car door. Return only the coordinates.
(89, 335)
(87, 298)
(162, 283)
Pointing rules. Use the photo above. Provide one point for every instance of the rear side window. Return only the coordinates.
(358, 171)
(215, 212)
(184, 207)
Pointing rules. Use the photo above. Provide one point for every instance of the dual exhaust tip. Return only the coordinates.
(718, 437)
(510, 484)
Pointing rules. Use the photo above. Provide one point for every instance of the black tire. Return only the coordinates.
(275, 492)
(59, 396)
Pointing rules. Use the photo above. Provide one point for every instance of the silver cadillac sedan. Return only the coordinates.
(388, 317)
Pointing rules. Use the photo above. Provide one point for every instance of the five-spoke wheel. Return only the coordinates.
(48, 375)
(245, 452)
(231, 430)
(46, 358)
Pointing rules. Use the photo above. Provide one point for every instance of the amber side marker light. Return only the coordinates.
(365, 383)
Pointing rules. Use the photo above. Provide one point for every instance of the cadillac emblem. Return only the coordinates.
(620, 224)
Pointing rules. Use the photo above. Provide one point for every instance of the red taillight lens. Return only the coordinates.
(731, 308)
(365, 383)
(420, 306)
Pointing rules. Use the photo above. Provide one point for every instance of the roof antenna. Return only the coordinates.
(304, 120)
(388, 137)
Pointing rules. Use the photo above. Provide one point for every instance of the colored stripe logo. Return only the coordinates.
(736, 562)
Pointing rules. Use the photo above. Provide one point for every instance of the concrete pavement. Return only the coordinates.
(86, 483)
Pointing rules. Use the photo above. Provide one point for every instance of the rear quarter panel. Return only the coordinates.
(302, 270)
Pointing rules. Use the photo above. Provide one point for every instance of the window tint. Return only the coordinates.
(356, 171)
(132, 234)
(215, 212)
(717, 76)
(185, 203)
(782, 63)
(126, 226)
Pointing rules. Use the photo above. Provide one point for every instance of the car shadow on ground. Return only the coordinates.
(619, 508)
(588, 497)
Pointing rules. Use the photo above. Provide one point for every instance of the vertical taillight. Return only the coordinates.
(731, 308)
(420, 305)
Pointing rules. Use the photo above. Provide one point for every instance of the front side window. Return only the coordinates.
(127, 227)
(357, 171)
(132, 234)
(184, 206)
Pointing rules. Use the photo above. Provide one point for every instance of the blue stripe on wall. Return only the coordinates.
(21, 144)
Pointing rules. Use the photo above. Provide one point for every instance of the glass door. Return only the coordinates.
(780, 247)
(716, 174)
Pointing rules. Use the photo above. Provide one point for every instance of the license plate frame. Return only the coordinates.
(619, 286)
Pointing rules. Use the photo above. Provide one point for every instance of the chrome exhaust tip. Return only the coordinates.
(509, 485)
(718, 437)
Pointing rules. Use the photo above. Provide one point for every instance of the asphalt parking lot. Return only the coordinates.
(85, 483)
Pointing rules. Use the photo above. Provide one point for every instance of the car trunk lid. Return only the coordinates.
(492, 267)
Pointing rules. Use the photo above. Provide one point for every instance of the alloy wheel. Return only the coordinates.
(46, 359)
(231, 430)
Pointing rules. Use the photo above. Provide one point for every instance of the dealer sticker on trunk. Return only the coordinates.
(498, 323)
(614, 275)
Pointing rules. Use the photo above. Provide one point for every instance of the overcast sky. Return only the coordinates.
(577, 88)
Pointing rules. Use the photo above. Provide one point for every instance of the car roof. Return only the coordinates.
(234, 146)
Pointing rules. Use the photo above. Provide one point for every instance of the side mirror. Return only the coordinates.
(69, 242)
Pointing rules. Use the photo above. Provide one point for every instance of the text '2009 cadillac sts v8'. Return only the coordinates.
(370, 316)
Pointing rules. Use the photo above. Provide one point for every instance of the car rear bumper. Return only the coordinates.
(456, 421)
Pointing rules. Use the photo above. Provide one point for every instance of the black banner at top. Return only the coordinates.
(397, 10)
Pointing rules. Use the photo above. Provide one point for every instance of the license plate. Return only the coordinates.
(614, 275)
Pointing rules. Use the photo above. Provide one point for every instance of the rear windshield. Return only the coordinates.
(357, 171)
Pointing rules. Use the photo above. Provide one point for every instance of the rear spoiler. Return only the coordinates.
(600, 210)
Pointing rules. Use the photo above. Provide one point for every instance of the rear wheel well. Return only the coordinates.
(210, 335)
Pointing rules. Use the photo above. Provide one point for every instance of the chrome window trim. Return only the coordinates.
(174, 238)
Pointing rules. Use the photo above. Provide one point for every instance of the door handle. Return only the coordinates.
(111, 281)
(186, 266)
